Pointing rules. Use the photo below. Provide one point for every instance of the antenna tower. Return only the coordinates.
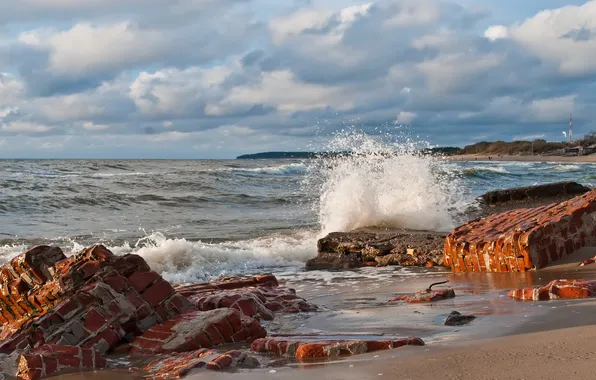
(570, 128)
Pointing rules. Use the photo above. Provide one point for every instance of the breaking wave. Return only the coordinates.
(384, 184)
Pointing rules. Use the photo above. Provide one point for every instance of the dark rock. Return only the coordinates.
(345, 250)
(457, 319)
(550, 190)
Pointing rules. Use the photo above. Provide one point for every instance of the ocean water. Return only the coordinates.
(199, 219)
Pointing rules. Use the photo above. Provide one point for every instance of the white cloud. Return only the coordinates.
(405, 117)
(415, 12)
(24, 127)
(496, 32)
(450, 72)
(87, 48)
(280, 89)
(90, 126)
(565, 36)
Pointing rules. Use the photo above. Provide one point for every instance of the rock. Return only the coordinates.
(48, 360)
(457, 319)
(92, 299)
(305, 350)
(345, 250)
(197, 329)
(255, 297)
(179, 365)
(523, 239)
(557, 289)
(427, 295)
(550, 190)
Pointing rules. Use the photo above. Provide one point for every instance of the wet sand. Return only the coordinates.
(528, 158)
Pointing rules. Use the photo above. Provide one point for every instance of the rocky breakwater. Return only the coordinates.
(523, 239)
(344, 250)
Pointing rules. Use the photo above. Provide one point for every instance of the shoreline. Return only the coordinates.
(484, 157)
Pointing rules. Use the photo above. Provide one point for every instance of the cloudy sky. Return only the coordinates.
(217, 78)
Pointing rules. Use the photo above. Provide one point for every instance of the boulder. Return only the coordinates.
(344, 250)
(458, 319)
(305, 350)
(523, 239)
(567, 189)
(557, 289)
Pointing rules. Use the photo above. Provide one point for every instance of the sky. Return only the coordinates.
(219, 78)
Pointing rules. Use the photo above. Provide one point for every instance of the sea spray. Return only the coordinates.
(382, 183)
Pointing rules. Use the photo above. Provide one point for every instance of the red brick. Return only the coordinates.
(142, 280)
(158, 292)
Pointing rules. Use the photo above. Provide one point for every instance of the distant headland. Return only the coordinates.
(539, 147)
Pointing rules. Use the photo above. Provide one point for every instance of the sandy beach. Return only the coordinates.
(475, 157)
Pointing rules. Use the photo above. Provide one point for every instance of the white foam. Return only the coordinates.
(383, 184)
(181, 261)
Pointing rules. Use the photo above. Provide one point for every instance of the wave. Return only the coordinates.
(564, 168)
(183, 261)
(383, 184)
(285, 169)
(482, 171)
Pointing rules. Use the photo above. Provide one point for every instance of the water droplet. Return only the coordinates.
(272, 371)
(380, 374)
(376, 356)
(351, 365)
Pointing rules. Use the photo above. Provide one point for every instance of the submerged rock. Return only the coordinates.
(305, 350)
(427, 295)
(179, 365)
(557, 289)
(523, 239)
(457, 319)
(344, 250)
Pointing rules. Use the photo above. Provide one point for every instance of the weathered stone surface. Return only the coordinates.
(198, 329)
(549, 190)
(557, 289)
(458, 319)
(302, 350)
(343, 250)
(179, 365)
(523, 239)
(92, 299)
(50, 359)
(258, 297)
(425, 296)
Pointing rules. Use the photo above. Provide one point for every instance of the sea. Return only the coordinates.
(195, 220)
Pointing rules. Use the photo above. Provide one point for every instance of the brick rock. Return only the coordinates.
(180, 364)
(92, 299)
(302, 350)
(257, 297)
(51, 359)
(557, 289)
(198, 329)
(523, 239)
